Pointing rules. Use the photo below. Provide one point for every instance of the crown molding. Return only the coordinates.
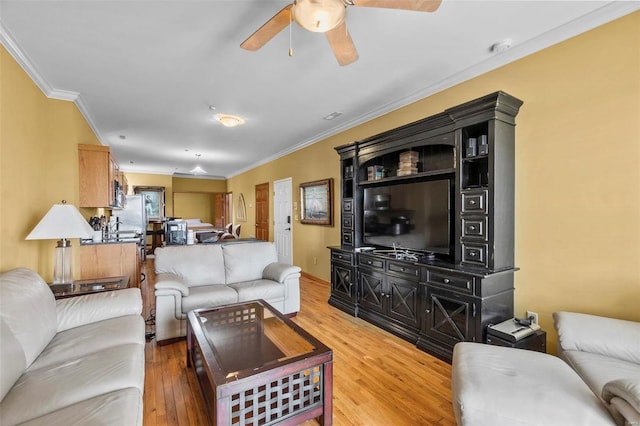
(8, 41)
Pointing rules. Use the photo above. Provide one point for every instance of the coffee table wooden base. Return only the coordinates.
(287, 394)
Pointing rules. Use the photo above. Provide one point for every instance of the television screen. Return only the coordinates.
(413, 216)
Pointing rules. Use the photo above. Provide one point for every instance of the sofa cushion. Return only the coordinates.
(597, 370)
(259, 289)
(200, 264)
(208, 296)
(98, 336)
(81, 310)
(12, 361)
(118, 408)
(245, 262)
(28, 307)
(41, 391)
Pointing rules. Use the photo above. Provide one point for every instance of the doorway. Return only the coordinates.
(282, 227)
(262, 211)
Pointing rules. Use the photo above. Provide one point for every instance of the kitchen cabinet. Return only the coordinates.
(101, 182)
(111, 260)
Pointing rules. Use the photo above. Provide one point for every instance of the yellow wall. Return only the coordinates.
(577, 173)
(39, 140)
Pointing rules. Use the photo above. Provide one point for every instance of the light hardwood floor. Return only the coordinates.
(379, 379)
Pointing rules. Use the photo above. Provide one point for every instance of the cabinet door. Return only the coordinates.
(342, 283)
(402, 296)
(449, 316)
(371, 286)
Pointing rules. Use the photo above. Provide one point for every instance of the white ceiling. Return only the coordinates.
(148, 70)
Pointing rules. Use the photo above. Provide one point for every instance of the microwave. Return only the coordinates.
(175, 232)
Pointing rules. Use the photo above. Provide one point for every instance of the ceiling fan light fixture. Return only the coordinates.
(319, 16)
(228, 120)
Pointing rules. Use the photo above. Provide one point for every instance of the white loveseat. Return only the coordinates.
(76, 361)
(209, 275)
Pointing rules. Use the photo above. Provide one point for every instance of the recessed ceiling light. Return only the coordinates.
(333, 115)
(212, 108)
(228, 120)
(123, 137)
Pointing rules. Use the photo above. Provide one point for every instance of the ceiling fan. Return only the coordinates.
(328, 16)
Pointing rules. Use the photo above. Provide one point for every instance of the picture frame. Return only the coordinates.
(316, 206)
(153, 197)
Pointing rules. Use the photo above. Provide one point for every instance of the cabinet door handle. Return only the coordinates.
(472, 254)
(428, 311)
(472, 228)
(402, 269)
(368, 262)
(446, 281)
(382, 294)
(472, 202)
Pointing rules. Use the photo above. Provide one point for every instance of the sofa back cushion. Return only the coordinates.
(12, 361)
(197, 265)
(28, 308)
(246, 261)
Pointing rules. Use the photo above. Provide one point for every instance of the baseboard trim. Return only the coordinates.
(310, 277)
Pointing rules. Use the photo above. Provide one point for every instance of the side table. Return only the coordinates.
(93, 285)
(535, 342)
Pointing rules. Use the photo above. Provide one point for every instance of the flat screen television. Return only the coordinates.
(415, 216)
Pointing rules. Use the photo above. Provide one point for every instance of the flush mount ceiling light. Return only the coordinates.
(197, 170)
(228, 120)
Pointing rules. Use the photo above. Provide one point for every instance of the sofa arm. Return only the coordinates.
(168, 281)
(624, 396)
(280, 272)
(599, 335)
(76, 311)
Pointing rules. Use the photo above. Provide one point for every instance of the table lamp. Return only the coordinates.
(62, 221)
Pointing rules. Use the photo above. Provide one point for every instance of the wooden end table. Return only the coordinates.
(88, 286)
(257, 367)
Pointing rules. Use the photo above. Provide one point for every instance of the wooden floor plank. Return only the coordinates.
(379, 379)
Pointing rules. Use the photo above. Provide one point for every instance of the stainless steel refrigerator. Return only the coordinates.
(132, 220)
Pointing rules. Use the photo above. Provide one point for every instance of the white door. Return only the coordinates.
(282, 220)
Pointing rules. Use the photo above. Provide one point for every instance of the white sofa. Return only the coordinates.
(75, 361)
(209, 275)
(599, 384)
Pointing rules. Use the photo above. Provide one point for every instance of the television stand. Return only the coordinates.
(451, 294)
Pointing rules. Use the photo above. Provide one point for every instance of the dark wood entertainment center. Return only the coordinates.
(434, 300)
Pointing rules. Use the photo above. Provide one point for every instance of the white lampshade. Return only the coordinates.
(61, 221)
(319, 15)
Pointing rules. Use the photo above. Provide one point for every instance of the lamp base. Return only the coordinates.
(62, 270)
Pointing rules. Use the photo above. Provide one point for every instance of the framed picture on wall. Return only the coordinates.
(315, 202)
(153, 197)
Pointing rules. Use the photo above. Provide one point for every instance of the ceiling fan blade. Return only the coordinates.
(417, 5)
(266, 32)
(342, 45)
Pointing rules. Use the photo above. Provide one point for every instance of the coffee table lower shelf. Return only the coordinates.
(285, 392)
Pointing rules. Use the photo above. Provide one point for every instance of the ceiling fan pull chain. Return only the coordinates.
(290, 30)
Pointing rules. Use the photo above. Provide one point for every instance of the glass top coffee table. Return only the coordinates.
(257, 367)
